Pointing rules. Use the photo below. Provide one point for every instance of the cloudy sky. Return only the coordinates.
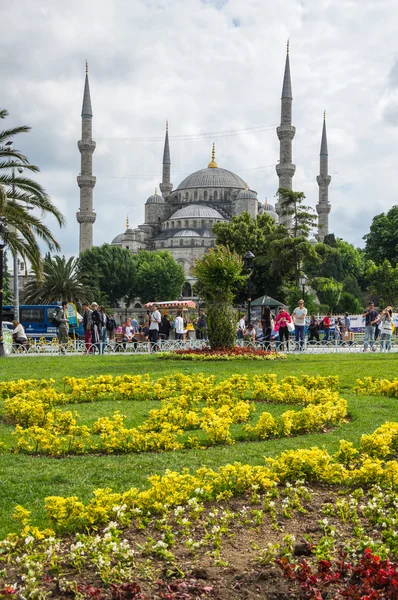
(208, 66)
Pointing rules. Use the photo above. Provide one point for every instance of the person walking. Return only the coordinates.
(299, 314)
(104, 328)
(266, 323)
(87, 322)
(313, 329)
(326, 328)
(371, 317)
(281, 321)
(386, 324)
(179, 326)
(63, 329)
(96, 328)
(201, 325)
(155, 320)
(241, 327)
(164, 327)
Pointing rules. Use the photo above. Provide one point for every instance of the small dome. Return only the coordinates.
(186, 233)
(118, 239)
(155, 198)
(268, 207)
(197, 211)
(246, 195)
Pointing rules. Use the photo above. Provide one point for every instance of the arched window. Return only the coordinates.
(195, 195)
(205, 195)
(186, 224)
(137, 305)
(225, 195)
(203, 242)
(186, 196)
(187, 290)
(179, 224)
(167, 225)
(162, 244)
(179, 197)
(215, 195)
(172, 224)
(195, 224)
(127, 247)
(171, 243)
(192, 241)
(181, 242)
(211, 223)
(203, 223)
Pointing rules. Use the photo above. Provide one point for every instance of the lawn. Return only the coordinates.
(27, 480)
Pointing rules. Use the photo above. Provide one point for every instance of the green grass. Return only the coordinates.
(28, 480)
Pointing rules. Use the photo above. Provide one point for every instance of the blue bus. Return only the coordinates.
(36, 320)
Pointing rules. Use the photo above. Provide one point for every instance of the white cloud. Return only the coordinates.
(210, 65)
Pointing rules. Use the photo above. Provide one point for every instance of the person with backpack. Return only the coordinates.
(96, 328)
(63, 327)
(371, 317)
(111, 328)
(313, 329)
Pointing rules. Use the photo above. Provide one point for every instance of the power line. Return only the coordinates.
(195, 136)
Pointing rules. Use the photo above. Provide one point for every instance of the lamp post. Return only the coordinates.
(3, 231)
(303, 282)
(248, 260)
(199, 301)
(15, 254)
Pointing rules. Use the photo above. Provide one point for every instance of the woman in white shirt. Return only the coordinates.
(18, 334)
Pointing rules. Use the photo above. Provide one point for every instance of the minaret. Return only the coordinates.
(323, 179)
(86, 181)
(286, 132)
(166, 186)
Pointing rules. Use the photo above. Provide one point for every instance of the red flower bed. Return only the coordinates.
(235, 351)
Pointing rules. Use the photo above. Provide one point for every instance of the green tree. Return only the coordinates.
(157, 276)
(219, 275)
(17, 195)
(328, 291)
(8, 296)
(384, 282)
(295, 248)
(111, 270)
(382, 239)
(349, 303)
(242, 233)
(61, 280)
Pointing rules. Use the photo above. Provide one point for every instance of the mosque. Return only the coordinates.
(181, 220)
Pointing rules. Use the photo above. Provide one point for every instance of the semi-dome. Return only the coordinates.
(197, 211)
(270, 210)
(212, 178)
(155, 198)
(246, 194)
(118, 239)
(186, 233)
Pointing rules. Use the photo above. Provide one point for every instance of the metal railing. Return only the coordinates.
(41, 347)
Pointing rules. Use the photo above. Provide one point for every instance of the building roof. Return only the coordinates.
(87, 111)
(246, 194)
(197, 211)
(212, 178)
(186, 233)
(155, 199)
(118, 239)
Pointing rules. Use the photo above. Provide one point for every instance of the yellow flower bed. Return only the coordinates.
(374, 386)
(347, 466)
(190, 402)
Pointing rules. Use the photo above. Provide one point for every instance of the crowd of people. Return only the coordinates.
(101, 328)
(279, 327)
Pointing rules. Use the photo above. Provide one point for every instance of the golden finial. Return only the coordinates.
(86, 67)
(324, 115)
(246, 186)
(213, 164)
(167, 125)
(127, 222)
(156, 191)
(287, 45)
(266, 200)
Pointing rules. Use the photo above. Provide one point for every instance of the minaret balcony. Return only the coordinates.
(323, 180)
(86, 146)
(323, 209)
(285, 133)
(86, 181)
(86, 216)
(287, 169)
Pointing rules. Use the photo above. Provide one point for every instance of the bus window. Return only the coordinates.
(31, 315)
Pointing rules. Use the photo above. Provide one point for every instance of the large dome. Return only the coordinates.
(197, 211)
(212, 178)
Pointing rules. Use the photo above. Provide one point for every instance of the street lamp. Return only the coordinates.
(199, 301)
(248, 261)
(3, 231)
(15, 254)
(303, 282)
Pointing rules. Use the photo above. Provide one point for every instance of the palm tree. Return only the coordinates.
(61, 280)
(18, 195)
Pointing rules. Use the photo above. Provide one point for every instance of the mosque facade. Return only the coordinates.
(181, 220)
